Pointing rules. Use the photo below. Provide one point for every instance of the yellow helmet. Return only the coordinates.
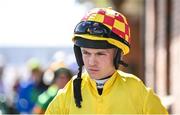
(104, 24)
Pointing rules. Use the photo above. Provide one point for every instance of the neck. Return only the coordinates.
(108, 75)
(100, 84)
(104, 78)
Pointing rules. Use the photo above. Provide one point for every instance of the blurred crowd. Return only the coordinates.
(32, 92)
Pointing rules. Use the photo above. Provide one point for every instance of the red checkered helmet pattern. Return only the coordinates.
(116, 22)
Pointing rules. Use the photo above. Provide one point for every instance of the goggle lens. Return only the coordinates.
(92, 28)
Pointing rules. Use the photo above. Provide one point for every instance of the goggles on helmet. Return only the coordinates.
(96, 29)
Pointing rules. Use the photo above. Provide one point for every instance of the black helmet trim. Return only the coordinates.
(97, 44)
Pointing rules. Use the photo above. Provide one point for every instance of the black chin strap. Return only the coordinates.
(78, 80)
(117, 59)
(77, 89)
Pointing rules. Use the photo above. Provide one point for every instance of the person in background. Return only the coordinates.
(3, 99)
(28, 91)
(101, 38)
(60, 76)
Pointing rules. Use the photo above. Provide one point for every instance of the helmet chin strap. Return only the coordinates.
(77, 89)
(117, 59)
(77, 81)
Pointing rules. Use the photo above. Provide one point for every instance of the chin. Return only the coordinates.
(95, 76)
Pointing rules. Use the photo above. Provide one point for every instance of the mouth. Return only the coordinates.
(93, 70)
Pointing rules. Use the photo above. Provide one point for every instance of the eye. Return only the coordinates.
(85, 53)
(100, 53)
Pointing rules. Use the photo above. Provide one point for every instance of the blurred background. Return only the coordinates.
(35, 33)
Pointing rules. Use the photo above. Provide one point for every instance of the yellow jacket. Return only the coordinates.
(122, 94)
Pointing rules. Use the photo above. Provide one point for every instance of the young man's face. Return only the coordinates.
(98, 62)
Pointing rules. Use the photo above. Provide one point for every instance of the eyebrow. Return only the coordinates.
(101, 51)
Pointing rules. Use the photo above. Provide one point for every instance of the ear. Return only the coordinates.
(78, 56)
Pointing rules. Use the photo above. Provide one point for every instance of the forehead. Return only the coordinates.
(92, 50)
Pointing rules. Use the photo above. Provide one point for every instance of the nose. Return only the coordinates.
(92, 60)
